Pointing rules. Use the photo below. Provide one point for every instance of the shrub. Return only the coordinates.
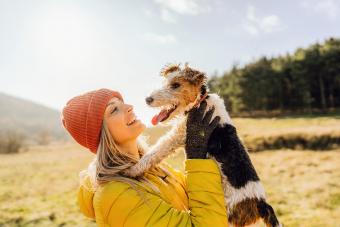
(297, 141)
(11, 142)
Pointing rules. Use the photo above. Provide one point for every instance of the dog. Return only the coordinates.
(185, 89)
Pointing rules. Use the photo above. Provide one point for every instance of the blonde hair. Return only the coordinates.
(110, 162)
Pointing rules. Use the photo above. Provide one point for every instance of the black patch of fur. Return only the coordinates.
(267, 213)
(225, 146)
(203, 90)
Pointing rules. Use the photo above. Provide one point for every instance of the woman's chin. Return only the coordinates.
(139, 126)
(142, 125)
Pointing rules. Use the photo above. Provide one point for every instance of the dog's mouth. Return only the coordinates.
(164, 114)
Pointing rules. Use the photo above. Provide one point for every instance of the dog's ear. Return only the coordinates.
(194, 77)
(169, 68)
(200, 79)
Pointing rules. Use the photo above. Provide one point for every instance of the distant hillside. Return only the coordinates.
(32, 120)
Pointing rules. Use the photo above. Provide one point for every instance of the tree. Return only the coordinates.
(308, 79)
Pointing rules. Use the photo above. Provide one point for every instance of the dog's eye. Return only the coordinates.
(175, 85)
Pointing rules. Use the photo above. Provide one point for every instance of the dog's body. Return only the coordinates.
(244, 194)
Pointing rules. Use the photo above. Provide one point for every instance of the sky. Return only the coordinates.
(53, 50)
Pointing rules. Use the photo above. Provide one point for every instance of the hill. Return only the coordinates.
(31, 120)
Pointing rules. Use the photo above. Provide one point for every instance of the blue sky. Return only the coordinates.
(51, 51)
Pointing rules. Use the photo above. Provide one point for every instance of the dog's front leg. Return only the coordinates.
(165, 146)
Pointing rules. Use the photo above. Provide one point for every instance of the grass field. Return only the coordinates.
(273, 133)
(38, 187)
(282, 125)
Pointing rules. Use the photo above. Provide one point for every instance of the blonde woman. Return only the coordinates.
(101, 121)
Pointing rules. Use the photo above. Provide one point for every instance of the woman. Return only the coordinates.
(103, 123)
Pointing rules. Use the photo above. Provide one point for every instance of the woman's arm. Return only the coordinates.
(121, 205)
(205, 192)
(85, 197)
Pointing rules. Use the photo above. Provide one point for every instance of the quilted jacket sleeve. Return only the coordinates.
(118, 204)
(85, 197)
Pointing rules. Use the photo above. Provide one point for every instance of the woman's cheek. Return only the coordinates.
(122, 132)
(117, 129)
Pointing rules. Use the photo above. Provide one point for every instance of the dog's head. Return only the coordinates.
(183, 87)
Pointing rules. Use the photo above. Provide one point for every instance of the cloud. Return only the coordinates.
(189, 7)
(148, 13)
(328, 7)
(162, 39)
(255, 24)
(251, 29)
(169, 9)
(167, 16)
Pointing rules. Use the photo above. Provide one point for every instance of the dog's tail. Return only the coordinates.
(267, 214)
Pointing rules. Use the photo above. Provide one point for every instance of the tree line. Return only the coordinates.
(307, 80)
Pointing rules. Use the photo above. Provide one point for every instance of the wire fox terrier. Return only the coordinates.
(184, 89)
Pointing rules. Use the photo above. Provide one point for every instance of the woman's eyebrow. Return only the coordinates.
(111, 103)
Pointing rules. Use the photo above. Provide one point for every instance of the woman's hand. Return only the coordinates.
(199, 131)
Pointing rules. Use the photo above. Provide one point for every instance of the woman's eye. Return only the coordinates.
(114, 109)
(175, 85)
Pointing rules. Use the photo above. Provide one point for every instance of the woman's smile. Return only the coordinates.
(122, 121)
(133, 122)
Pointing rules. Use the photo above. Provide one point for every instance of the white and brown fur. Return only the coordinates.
(244, 194)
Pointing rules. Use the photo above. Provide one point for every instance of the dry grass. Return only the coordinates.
(285, 125)
(38, 188)
(302, 186)
(276, 126)
(300, 133)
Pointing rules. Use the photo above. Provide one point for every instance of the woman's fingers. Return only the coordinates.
(208, 116)
(202, 107)
(196, 113)
(215, 122)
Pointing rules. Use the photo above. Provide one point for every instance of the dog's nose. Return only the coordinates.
(149, 100)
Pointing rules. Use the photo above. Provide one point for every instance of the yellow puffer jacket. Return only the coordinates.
(194, 199)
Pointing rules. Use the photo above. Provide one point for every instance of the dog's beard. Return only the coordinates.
(174, 110)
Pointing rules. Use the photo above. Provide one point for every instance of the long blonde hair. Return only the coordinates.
(110, 162)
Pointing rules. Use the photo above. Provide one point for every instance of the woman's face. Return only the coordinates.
(122, 122)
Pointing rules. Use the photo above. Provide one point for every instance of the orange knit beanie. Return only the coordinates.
(83, 116)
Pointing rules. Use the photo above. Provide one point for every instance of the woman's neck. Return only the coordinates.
(131, 148)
